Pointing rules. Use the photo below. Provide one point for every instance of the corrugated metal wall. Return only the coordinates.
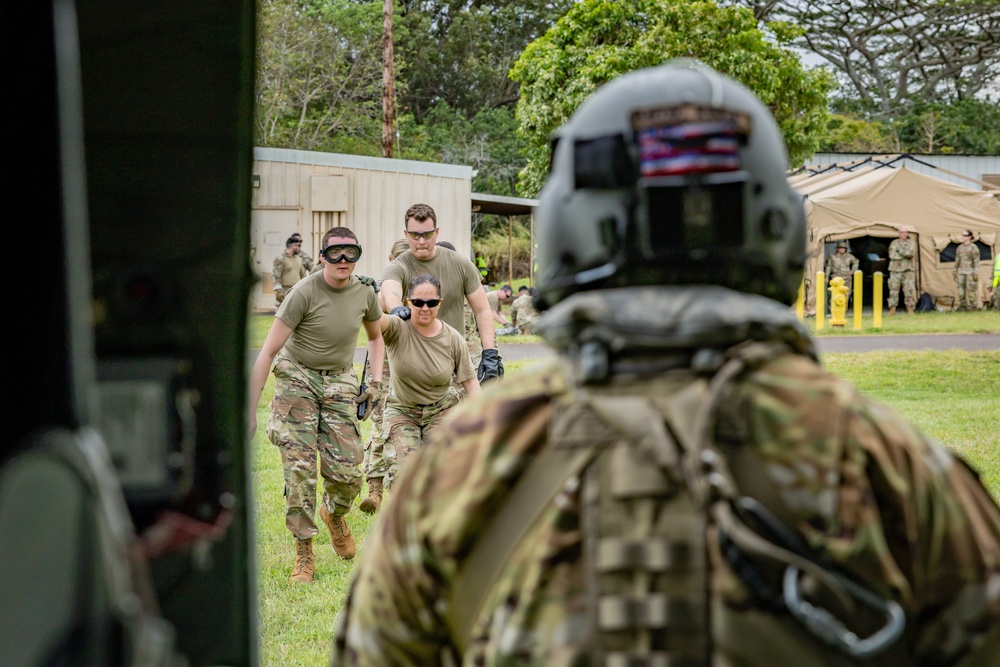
(971, 166)
(378, 192)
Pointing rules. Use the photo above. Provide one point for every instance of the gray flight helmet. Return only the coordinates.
(671, 175)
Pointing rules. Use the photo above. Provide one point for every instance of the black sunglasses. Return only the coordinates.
(421, 235)
(349, 251)
(430, 303)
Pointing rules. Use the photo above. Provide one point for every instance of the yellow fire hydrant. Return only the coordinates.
(838, 302)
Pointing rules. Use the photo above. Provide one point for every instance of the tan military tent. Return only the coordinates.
(867, 207)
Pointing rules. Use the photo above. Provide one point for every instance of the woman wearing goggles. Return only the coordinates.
(424, 353)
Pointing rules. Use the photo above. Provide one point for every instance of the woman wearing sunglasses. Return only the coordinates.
(424, 354)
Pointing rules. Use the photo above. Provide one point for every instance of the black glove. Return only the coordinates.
(402, 312)
(366, 280)
(490, 367)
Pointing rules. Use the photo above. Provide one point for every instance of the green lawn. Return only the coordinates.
(922, 323)
(950, 395)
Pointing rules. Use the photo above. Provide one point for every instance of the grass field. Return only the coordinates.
(923, 323)
(951, 396)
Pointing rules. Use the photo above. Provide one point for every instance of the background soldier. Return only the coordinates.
(307, 261)
(842, 264)
(967, 273)
(287, 269)
(685, 484)
(379, 461)
(522, 312)
(901, 271)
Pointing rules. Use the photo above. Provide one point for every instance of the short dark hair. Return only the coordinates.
(420, 212)
(424, 278)
(522, 288)
(508, 288)
(967, 232)
(291, 240)
(342, 232)
(447, 244)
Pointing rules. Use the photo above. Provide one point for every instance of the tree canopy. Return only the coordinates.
(598, 40)
(892, 55)
(319, 75)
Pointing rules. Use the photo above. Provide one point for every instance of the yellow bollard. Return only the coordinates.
(820, 300)
(858, 300)
(877, 300)
(800, 302)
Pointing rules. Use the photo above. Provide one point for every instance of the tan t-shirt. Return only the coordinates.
(493, 298)
(458, 275)
(422, 366)
(325, 321)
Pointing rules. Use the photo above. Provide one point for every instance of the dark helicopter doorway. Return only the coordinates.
(873, 256)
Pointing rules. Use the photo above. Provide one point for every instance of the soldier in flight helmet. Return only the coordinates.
(627, 203)
(684, 484)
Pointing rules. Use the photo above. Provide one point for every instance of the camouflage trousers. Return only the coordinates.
(968, 290)
(406, 426)
(314, 420)
(377, 460)
(908, 281)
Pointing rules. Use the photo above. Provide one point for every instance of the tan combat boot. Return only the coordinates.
(340, 534)
(371, 504)
(909, 310)
(892, 310)
(305, 562)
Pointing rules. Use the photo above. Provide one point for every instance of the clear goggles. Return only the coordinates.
(335, 253)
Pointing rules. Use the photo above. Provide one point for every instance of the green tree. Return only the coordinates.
(597, 40)
(487, 142)
(459, 51)
(970, 127)
(319, 75)
(846, 134)
(892, 55)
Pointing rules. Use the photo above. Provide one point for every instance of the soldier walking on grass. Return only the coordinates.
(684, 484)
(313, 418)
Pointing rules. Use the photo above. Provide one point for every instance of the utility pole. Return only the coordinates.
(388, 84)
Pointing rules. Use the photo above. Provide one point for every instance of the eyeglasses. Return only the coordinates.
(416, 236)
(430, 303)
(335, 253)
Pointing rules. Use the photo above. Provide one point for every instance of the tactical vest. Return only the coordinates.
(690, 560)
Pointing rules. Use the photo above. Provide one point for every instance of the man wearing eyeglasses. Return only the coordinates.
(460, 282)
(314, 412)
(966, 273)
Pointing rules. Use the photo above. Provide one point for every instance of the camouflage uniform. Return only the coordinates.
(842, 266)
(283, 264)
(313, 414)
(869, 496)
(472, 338)
(378, 460)
(967, 275)
(901, 272)
(523, 314)
(408, 426)
(308, 262)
